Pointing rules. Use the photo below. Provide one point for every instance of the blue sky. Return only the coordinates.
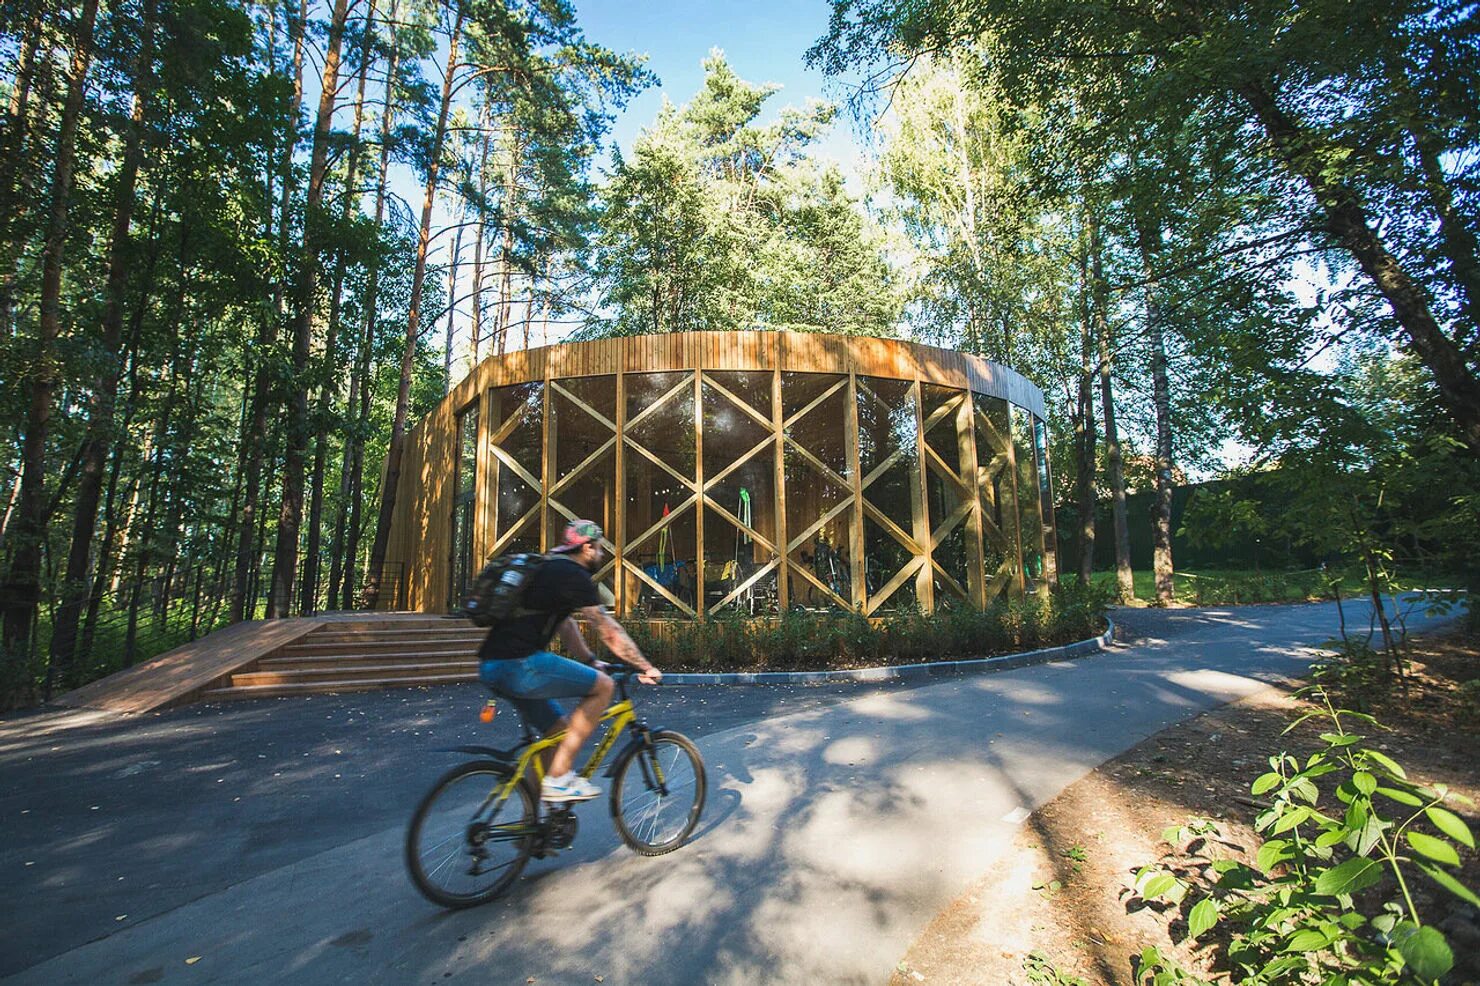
(764, 41)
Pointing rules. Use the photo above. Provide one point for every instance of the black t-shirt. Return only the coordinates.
(558, 588)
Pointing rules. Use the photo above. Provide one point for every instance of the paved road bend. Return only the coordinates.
(261, 842)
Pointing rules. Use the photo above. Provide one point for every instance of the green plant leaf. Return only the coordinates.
(1306, 940)
(1364, 782)
(1369, 835)
(1273, 853)
(1436, 849)
(1295, 816)
(1348, 877)
(1262, 783)
(1449, 883)
(1386, 763)
(1451, 825)
(1338, 739)
(1332, 837)
(1204, 915)
(1427, 953)
(1158, 885)
(1402, 797)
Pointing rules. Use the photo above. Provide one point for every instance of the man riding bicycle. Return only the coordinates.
(514, 662)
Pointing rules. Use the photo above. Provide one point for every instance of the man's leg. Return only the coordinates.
(581, 722)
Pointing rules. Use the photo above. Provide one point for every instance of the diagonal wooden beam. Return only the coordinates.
(818, 464)
(804, 573)
(672, 515)
(952, 520)
(514, 530)
(754, 576)
(584, 465)
(818, 524)
(950, 581)
(583, 405)
(946, 472)
(760, 419)
(635, 570)
(815, 401)
(898, 532)
(761, 539)
(688, 381)
(518, 470)
(882, 467)
(510, 423)
(892, 586)
(994, 437)
(687, 481)
(710, 481)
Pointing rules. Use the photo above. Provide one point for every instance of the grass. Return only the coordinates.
(1231, 586)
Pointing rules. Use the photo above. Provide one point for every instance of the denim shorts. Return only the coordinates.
(533, 684)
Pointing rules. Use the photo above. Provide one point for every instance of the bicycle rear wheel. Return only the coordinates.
(464, 847)
(658, 793)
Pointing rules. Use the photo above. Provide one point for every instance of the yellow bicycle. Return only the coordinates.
(480, 824)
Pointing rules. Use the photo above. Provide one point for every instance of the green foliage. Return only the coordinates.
(1330, 898)
(717, 221)
(1354, 674)
(1041, 971)
(1219, 518)
(808, 641)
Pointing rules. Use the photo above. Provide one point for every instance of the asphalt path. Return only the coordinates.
(261, 841)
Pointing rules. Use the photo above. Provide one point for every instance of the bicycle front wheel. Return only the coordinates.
(658, 793)
(464, 846)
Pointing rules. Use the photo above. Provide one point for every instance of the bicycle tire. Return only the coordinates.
(487, 775)
(650, 822)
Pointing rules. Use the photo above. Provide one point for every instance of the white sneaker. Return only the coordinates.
(571, 787)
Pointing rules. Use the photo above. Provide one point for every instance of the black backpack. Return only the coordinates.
(498, 592)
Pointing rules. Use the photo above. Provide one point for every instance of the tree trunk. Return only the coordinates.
(478, 249)
(1099, 294)
(1459, 241)
(285, 560)
(354, 455)
(506, 274)
(451, 307)
(23, 590)
(1084, 424)
(163, 448)
(1348, 223)
(1161, 517)
(13, 155)
(104, 392)
(308, 593)
(413, 330)
(253, 447)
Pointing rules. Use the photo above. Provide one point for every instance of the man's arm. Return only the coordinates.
(616, 639)
(575, 644)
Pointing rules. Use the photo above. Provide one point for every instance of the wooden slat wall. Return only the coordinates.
(421, 523)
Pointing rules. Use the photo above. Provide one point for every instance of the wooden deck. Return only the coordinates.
(202, 668)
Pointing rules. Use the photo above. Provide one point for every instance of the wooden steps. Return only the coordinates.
(357, 654)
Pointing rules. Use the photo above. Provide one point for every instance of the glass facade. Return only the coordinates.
(753, 491)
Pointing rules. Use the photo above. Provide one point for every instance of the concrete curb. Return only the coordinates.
(1006, 662)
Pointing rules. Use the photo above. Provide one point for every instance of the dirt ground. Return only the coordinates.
(1064, 890)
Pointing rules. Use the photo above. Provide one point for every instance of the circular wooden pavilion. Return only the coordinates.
(749, 472)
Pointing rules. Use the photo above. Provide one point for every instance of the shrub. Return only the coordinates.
(801, 640)
(1330, 898)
